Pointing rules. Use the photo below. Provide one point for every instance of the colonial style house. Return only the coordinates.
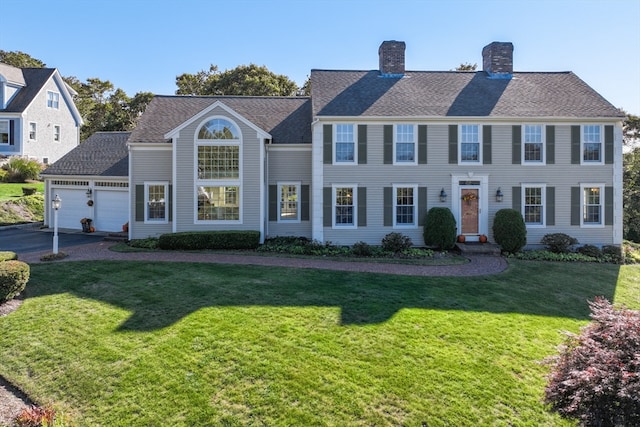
(38, 118)
(369, 152)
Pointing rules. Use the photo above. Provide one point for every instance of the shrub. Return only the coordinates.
(21, 170)
(148, 243)
(198, 240)
(558, 242)
(14, 276)
(362, 249)
(596, 377)
(396, 242)
(8, 256)
(613, 253)
(440, 228)
(590, 250)
(509, 230)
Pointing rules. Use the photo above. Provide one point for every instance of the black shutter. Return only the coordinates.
(551, 206)
(516, 144)
(550, 149)
(422, 144)
(516, 198)
(575, 146)
(608, 144)
(12, 132)
(486, 144)
(362, 144)
(422, 204)
(327, 144)
(388, 206)
(327, 219)
(388, 144)
(362, 206)
(304, 203)
(140, 203)
(575, 206)
(170, 202)
(453, 144)
(273, 203)
(608, 205)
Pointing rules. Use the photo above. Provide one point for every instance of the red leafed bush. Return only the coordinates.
(35, 416)
(596, 377)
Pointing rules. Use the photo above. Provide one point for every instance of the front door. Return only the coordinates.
(470, 211)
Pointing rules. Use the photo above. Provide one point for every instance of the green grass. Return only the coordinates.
(126, 343)
(11, 191)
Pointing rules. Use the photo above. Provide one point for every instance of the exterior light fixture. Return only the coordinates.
(89, 192)
(56, 203)
(443, 195)
(499, 195)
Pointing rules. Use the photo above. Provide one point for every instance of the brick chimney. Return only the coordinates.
(497, 60)
(391, 54)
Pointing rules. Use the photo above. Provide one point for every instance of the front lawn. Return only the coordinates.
(12, 191)
(127, 343)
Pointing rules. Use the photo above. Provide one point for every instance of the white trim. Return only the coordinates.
(543, 212)
(35, 131)
(354, 204)
(415, 145)
(582, 142)
(415, 206)
(618, 208)
(468, 162)
(543, 151)
(7, 121)
(483, 205)
(165, 185)
(289, 147)
(601, 186)
(149, 146)
(55, 99)
(317, 183)
(439, 120)
(354, 132)
(298, 185)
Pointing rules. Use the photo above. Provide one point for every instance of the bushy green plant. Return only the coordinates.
(558, 242)
(396, 242)
(21, 170)
(614, 253)
(554, 256)
(199, 240)
(148, 243)
(590, 250)
(8, 256)
(14, 276)
(440, 228)
(362, 249)
(509, 230)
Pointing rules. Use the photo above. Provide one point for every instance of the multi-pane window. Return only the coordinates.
(53, 99)
(56, 133)
(156, 202)
(218, 203)
(4, 131)
(345, 143)
(218, 161)
(405, 206)
(470, 143)
(533, 143)
(344, 206)
(591, 143)
(405, 146)
(218, 129)
(592, 205)
(533, 205)
(289, 202)
(32, 131)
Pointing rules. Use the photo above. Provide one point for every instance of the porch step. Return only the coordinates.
(477, 248)
(117, 237)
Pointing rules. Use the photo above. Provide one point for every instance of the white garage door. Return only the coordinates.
(111, 209)
(73, 207)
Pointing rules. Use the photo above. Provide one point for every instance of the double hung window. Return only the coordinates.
(592, 144)
(592, 205)
(344, 206)
(533, 143)
(53, 99)
(470, 143)
(156, 195)
(345, 143)
(405, 144)
(405, 206)
(289, 203)
(533, 204)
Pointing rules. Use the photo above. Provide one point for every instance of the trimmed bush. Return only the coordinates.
(8, 256)
(362, 249)
(558, 242)
(509, 230)
(440, 228)
(148, 243)
(199, 240)
(614, 253)
(590, 250)
(396, 242)
(596, 377)
(14, 276)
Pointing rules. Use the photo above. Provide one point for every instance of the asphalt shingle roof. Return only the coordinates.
(456, 94)
(102, 154)
(34, 79)
(288, 120)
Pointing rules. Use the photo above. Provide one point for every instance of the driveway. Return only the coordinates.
(30, 239)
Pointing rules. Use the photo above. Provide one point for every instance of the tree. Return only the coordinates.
(467, 66)
(20, 60)
(631, 178)
(248, 80)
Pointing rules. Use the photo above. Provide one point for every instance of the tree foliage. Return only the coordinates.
(20, 59)
(467, 66)
(248, 80)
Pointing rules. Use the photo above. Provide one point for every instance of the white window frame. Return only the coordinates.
(354, 205)
(218, 182)
(57, 133)
(542, 143)
(543, 206)
(8, 127)
(583, 205)
(297, 186)
(353, 141)
(583, 142)
(460, 142)
(33, 125)
(414, 187)
(165, 185)
(53, 100)
(396, 130)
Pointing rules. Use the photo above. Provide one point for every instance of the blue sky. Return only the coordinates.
(142, 45)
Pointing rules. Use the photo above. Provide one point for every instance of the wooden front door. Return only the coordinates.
(469, 210)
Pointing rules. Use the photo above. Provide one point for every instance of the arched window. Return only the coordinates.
(218, 129)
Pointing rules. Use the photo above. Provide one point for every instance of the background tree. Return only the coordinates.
(631, 179)
(20, 60)
(467, 66)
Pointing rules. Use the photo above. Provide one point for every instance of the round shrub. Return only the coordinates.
(558, 242)
(590, 250)
(396, 242)
(362, 249)
(440, 228)
(8, 256)
(509, 230)
(14, 276)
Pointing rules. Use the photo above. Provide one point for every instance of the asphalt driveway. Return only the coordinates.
(24, 240)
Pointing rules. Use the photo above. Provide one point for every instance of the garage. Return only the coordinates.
(73, 207)
(111, 209)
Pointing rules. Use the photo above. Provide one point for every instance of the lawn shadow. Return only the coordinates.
(160, 294)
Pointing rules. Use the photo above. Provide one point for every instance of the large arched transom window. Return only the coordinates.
(218, 129)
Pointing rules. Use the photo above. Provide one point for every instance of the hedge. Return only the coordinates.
(199, 240)
(8, 256)
(14, 276)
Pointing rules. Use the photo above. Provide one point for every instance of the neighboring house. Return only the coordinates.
(38, 118)
(92, 181)
(371, 151)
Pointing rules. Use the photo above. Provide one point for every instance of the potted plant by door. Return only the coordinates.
(461, 238)
(483, 238)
